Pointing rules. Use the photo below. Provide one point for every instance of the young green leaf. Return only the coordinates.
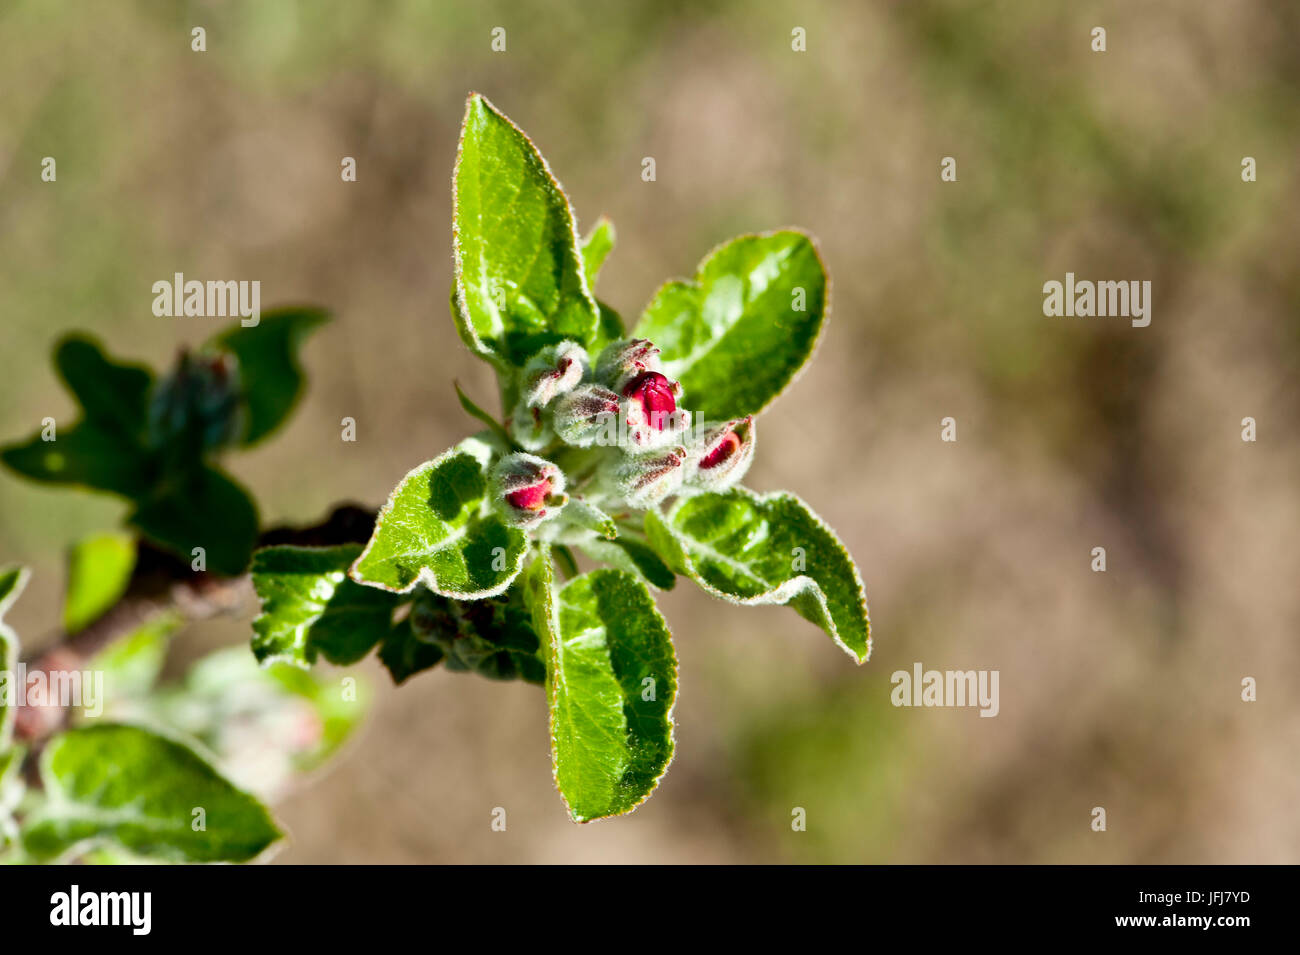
(610, 685)
(310, 606)
(12, 787)
(770, 549)
(99, 568)
(201, 509)
(520, 282)
(142, 790)
(270, 377)
(597, 245)
(12, 582)
(739, 333)
(112, 395)
(474, 411)
(438, 529)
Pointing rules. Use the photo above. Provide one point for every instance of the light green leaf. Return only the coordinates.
(12, 582)
(737, 335)
(579, 513)
(99, 568)
(770, 549)
(204, 508)
(131, 663)
(439, 529)
(309, 606)
(611, 681)
(269, 373)
(520, 283)
(596, 247)
(129, 785)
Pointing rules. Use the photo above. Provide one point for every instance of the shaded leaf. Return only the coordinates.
(269, 372)
(205, 509)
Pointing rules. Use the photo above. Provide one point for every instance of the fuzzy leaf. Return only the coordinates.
(439, 529)
(604, 640)
(310, 607)
(270, 376)
(519, 275)
(12, 582)
(135, 787)
(99, 568)
(770, 549)
(734, 337)
(207, 509)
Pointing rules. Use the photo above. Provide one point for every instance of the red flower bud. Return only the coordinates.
(529, 489)
(722, 454)
(657, 396)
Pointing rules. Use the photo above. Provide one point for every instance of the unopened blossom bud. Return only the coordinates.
(553, 371)
(646, 479)
(199, 403)
(721, 454)
(587, 415)
(530, 427)
(527, 489)
(624, 360)
(653, 418)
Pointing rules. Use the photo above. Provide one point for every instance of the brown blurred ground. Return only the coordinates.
(1118, 690)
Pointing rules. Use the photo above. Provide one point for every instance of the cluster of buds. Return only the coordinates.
(200, 402)
(624, 401)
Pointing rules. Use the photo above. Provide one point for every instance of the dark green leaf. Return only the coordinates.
(269, 372)
(205, 509)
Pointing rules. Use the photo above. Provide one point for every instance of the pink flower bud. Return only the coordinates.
(721, 454)
(528, 489)
(624, 360)
(646, 479)
(587, 415)
(553, 371)
(653, 418)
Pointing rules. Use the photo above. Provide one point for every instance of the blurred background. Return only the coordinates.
(1119, 690)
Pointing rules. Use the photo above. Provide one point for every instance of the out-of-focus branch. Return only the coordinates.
(162, 582)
